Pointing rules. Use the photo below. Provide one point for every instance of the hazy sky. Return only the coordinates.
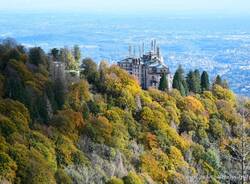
(205, 6)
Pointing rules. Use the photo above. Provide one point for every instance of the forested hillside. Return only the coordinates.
(103, 128)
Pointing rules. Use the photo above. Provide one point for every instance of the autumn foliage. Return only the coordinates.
(173, 136)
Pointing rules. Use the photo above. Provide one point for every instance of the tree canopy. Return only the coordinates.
(103, 127)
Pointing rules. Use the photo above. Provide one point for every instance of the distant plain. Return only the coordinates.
(220, 45)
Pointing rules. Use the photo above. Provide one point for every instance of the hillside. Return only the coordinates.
(217, 45)
(103, 128)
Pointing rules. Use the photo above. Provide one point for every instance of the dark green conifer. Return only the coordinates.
(179, 82)
(193, 81)
(197, 81)
(205, 84)
(55, 54)
(189, 80)
(59, 91)
(218, 80)
(225, 84)
(37, 56)
(163, 86)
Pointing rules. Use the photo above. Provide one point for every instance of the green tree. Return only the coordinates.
(132, 178)
(190, 80)
(103, 67)
(67, 57)
(7, 168)
(100, 130)
(197, 81)
(179, 81)
(77, 53)
(115, 180)
(10, 54)
(163, 86)
(225, 84)
(218, 80)
(90, 70)
(42, 108)
(37, 56)
(205, 84)
(59, 91)
(194, 81)
(14, 89)
(9, 43)
(55, 54)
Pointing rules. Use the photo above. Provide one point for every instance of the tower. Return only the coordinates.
(129, 50)
(158, 52)
(143, 48)
(140, 51)
(152, 45)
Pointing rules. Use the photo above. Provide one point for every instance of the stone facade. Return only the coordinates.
(57, 70)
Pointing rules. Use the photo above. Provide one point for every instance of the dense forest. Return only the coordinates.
(103, 128)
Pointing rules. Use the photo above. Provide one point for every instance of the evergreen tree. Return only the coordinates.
(176, 80)
(59, 91)
(102, 70)
(193, 81)
(183, 89)
(90, 70)
(77, 53)
(42, 108)
(225, 84)
(37, 56)
(8, 55)
(190, 81)
(205, 84)
(163, 86)
(55, 54)
(14, 89)
(197, 81)
(218, 80)
(179, 81)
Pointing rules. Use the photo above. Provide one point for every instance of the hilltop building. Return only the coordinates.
(147, 67)
(58, 71)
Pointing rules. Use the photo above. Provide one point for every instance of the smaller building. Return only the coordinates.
(148, 68)
(57, 70)
(133, 66)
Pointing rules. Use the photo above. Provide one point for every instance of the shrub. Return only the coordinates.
(115, 180)
(132, 178)
(62, 177)
(100, 130)
(7, 167)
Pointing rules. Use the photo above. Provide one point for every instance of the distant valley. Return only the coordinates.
(219, 45)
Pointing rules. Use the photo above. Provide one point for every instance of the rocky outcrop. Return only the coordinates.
(106, 162)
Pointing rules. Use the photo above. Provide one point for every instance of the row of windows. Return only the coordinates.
(126, 65)
(129, 65)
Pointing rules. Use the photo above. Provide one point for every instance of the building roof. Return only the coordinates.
(150, 59)
(158, 65)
